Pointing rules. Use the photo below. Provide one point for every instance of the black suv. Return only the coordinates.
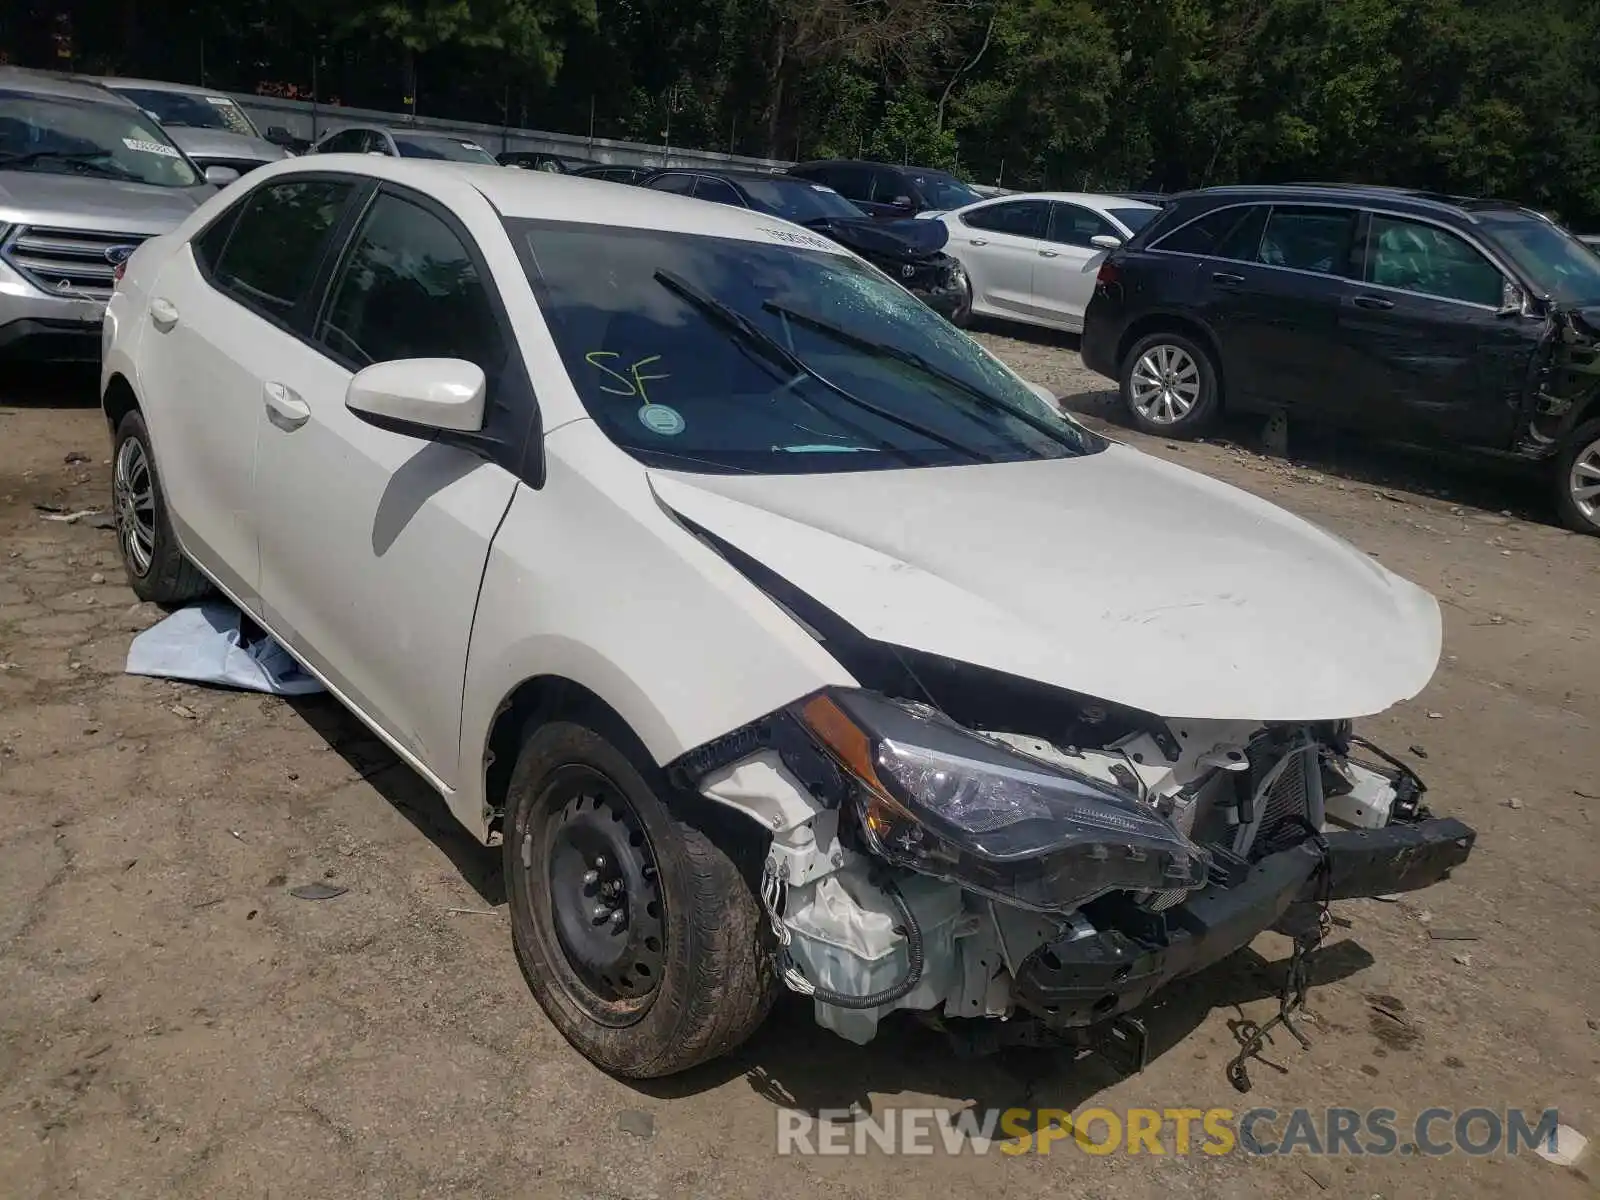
(1420, 317)
(909, 252)
(887, 191)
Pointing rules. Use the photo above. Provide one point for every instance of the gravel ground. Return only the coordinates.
(173, 1023)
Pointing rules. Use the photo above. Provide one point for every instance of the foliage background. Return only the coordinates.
(1477, 96)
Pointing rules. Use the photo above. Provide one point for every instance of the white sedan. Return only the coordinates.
(1033, 257)
(777, 633)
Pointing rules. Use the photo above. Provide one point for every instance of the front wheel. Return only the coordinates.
(1170, 385)
(636, 932)
(1578, 479)
(961, 315)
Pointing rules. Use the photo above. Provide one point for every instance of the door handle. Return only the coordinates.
(979, 241)
(1227, 277)
(285, 409)
(1372, 302)
(163, 314)
(1049, 254)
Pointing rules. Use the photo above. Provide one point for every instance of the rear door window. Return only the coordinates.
(1074, 225)
(718, 191)
(1309, 238)
(1417, 257)
(1020, 218)
(677, 183)
(277, 243)
(849, 180)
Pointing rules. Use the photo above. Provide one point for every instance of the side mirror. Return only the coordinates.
(419, 396)
(279, 136)
(220, 176)
(1513, 300)
(902, 202)
(1105, 241)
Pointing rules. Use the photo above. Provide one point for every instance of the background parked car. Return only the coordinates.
(907, 251)
(888, 191)
(211, 129)
(616, 173)
(543, 160)
(1428, 318)
(1033, 258)
(85, 177)
(403, 143)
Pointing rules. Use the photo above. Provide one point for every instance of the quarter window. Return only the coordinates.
(1309, 239)
(1417, 257)
(1223, 232)
(409, 289)
(277, 241)
(1020, 218)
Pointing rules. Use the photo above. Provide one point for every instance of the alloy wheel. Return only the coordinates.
(1583, 482)
(134, 505)
(605, 899)
(1165, 384)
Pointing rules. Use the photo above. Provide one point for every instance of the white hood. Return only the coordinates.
(1117, 575)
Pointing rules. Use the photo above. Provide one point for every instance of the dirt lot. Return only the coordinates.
(174, 1023)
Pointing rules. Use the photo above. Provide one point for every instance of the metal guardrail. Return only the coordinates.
(312, 122)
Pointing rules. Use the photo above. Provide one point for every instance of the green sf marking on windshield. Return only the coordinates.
(633, 381)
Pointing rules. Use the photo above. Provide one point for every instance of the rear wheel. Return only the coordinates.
(1578, 479)
(156, 566)
(636, 932)
(1170, 385)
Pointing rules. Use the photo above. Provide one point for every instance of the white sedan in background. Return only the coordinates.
(701, 568)
(1033, 257)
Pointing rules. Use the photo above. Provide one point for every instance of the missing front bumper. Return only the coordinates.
(1083, 980)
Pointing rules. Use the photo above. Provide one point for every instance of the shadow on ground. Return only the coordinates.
(49, 385)
(402, 787)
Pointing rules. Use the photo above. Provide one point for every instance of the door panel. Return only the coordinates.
(1434, 353)
(373, 543)
(998, 246)
(1064, 275)
(224, 318)
(1277, 316)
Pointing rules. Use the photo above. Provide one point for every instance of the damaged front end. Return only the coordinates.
(1565, 379)
(1052, 873)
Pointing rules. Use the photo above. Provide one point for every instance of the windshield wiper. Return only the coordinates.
(913, 359)
(88, 158)
(764, 344)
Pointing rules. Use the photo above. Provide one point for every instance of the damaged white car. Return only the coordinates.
(779, 633)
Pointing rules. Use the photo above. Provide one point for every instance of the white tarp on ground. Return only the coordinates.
(207, 643)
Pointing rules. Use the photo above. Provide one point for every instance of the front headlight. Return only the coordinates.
(943, 801)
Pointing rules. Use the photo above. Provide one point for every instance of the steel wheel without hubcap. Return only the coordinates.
(604, 897)
(1165, 384)
(133, 499)
(1583, 482)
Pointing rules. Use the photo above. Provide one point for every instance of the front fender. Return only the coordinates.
(590, 580)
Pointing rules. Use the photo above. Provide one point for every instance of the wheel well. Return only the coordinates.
(1168, 323)
(534, 702)
(118, 401)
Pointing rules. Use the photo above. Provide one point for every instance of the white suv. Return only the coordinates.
(779, 634)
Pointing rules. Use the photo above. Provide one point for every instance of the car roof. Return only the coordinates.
(1421, 199)
(549, 196)
(158, 85)
(1088, 199)
(67, 87)
(908, 168)
(740, 174)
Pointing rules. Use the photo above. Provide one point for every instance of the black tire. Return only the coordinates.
(163, 574)
(713, 982)
(1182, 352)
(1579, 456)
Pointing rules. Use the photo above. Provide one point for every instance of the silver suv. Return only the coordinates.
(85, 177)
(210, 128)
